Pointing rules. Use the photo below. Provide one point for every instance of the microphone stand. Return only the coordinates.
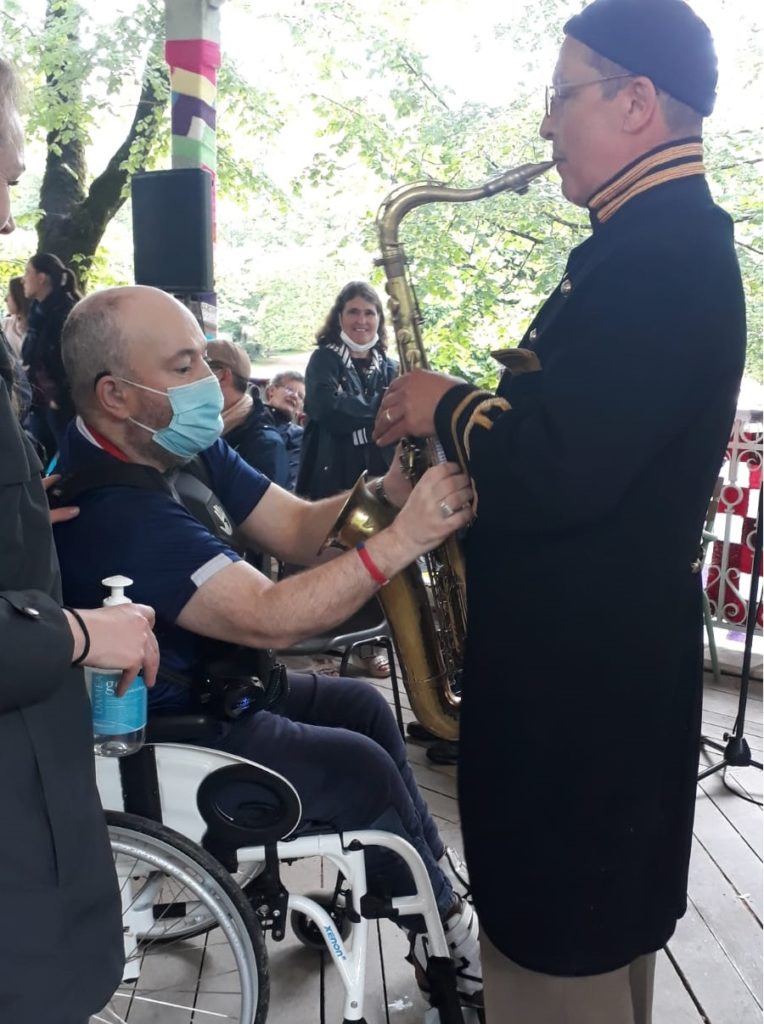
(735, 751)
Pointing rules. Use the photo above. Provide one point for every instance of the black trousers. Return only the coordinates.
(337, 742)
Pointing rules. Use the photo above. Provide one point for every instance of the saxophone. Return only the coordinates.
(426, 609)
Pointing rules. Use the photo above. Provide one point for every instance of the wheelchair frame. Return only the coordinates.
(163, 783)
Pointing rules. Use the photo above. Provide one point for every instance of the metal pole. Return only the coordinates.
(192, 51)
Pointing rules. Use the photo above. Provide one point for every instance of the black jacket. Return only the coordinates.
(292, 435)
(61, 947)
(261, 444)
(583, 681)
(340, 409)
(41, 351)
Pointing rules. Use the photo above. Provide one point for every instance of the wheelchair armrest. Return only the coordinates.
(246, 805)
(170, 728)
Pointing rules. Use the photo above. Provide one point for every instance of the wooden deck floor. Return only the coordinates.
(711, 972)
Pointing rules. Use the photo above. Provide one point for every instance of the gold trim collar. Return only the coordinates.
(675, 160)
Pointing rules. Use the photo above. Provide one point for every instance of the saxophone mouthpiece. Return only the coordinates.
(517, 179)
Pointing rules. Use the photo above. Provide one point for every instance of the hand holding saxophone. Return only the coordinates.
(408, 408)
(440, 503)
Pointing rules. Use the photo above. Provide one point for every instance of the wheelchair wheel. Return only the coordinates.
(191, 917)
(307, 931)
(221, 974)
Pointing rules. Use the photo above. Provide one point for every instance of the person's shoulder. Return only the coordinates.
(323, 356)
(232, 478)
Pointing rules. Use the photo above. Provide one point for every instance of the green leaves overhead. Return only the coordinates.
(323, 108)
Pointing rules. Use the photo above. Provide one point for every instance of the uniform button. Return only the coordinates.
(31, 613)
(566, 287)
(533, 335)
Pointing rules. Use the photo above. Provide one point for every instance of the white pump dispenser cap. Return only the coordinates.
(117, 586)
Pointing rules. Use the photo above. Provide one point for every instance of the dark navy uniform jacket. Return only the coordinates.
(592, 465)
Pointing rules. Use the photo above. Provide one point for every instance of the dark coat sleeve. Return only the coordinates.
(35, 640)
(328, 403)
(651, 349)
(35, 648)
(264, 449)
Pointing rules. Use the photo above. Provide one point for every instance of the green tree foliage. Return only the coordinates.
(75, 71)
(81, 72)
(352, 80)
(480, 269)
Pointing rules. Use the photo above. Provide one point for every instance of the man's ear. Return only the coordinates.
(643, 104)
(111, 397)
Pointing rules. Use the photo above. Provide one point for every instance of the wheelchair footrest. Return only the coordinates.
(374, 907)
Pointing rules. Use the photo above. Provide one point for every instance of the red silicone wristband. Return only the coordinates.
(371, 567)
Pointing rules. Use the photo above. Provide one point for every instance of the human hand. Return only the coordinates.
(440, 504)
(408, 405)
(120, 637)
(396, 485)
(59, 515)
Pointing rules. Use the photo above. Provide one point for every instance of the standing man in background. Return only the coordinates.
(61, 949)
(592, 466)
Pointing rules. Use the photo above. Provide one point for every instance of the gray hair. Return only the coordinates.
(93, 343)
(284, 377)
(681, 120)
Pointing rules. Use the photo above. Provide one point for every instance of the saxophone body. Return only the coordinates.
(426, 608)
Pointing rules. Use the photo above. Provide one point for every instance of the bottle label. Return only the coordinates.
(113, 715)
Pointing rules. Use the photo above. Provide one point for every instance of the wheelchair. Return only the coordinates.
(198, 837)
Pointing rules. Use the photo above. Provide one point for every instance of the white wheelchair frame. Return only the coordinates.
(181, 769)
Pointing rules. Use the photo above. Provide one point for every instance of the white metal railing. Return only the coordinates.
(728, 575)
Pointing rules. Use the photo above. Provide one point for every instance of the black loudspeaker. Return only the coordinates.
(172, 230)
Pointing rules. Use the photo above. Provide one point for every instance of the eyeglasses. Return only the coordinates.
(559, 93)
(291, 391)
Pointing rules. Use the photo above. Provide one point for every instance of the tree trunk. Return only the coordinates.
(74, 216)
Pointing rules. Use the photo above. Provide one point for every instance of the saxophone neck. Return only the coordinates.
(404, 199)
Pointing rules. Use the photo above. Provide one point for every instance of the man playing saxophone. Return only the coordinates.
(579, 729)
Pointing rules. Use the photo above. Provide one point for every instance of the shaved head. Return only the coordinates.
(124, 349)
(111, 332)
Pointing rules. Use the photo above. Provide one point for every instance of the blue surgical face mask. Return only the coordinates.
(196, 422)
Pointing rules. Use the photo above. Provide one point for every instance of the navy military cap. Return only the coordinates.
(664, 40)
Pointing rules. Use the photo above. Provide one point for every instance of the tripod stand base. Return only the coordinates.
(737, 754)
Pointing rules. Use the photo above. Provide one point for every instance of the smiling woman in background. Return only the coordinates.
(344, 383)
(345, 379)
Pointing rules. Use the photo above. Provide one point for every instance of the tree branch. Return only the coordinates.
(106, 193)
(739, 163)
(422, 81)
(78, 232)
(565, 223)
(750, 248)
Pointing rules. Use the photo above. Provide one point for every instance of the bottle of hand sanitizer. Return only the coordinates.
(119, 723)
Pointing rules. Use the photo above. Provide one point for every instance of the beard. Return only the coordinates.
(141, 442)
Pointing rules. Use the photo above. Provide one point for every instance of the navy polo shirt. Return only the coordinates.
(151, 538)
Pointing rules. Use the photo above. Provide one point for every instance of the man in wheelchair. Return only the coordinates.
(166, 502)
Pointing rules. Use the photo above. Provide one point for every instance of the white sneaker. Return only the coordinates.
(461, 929)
